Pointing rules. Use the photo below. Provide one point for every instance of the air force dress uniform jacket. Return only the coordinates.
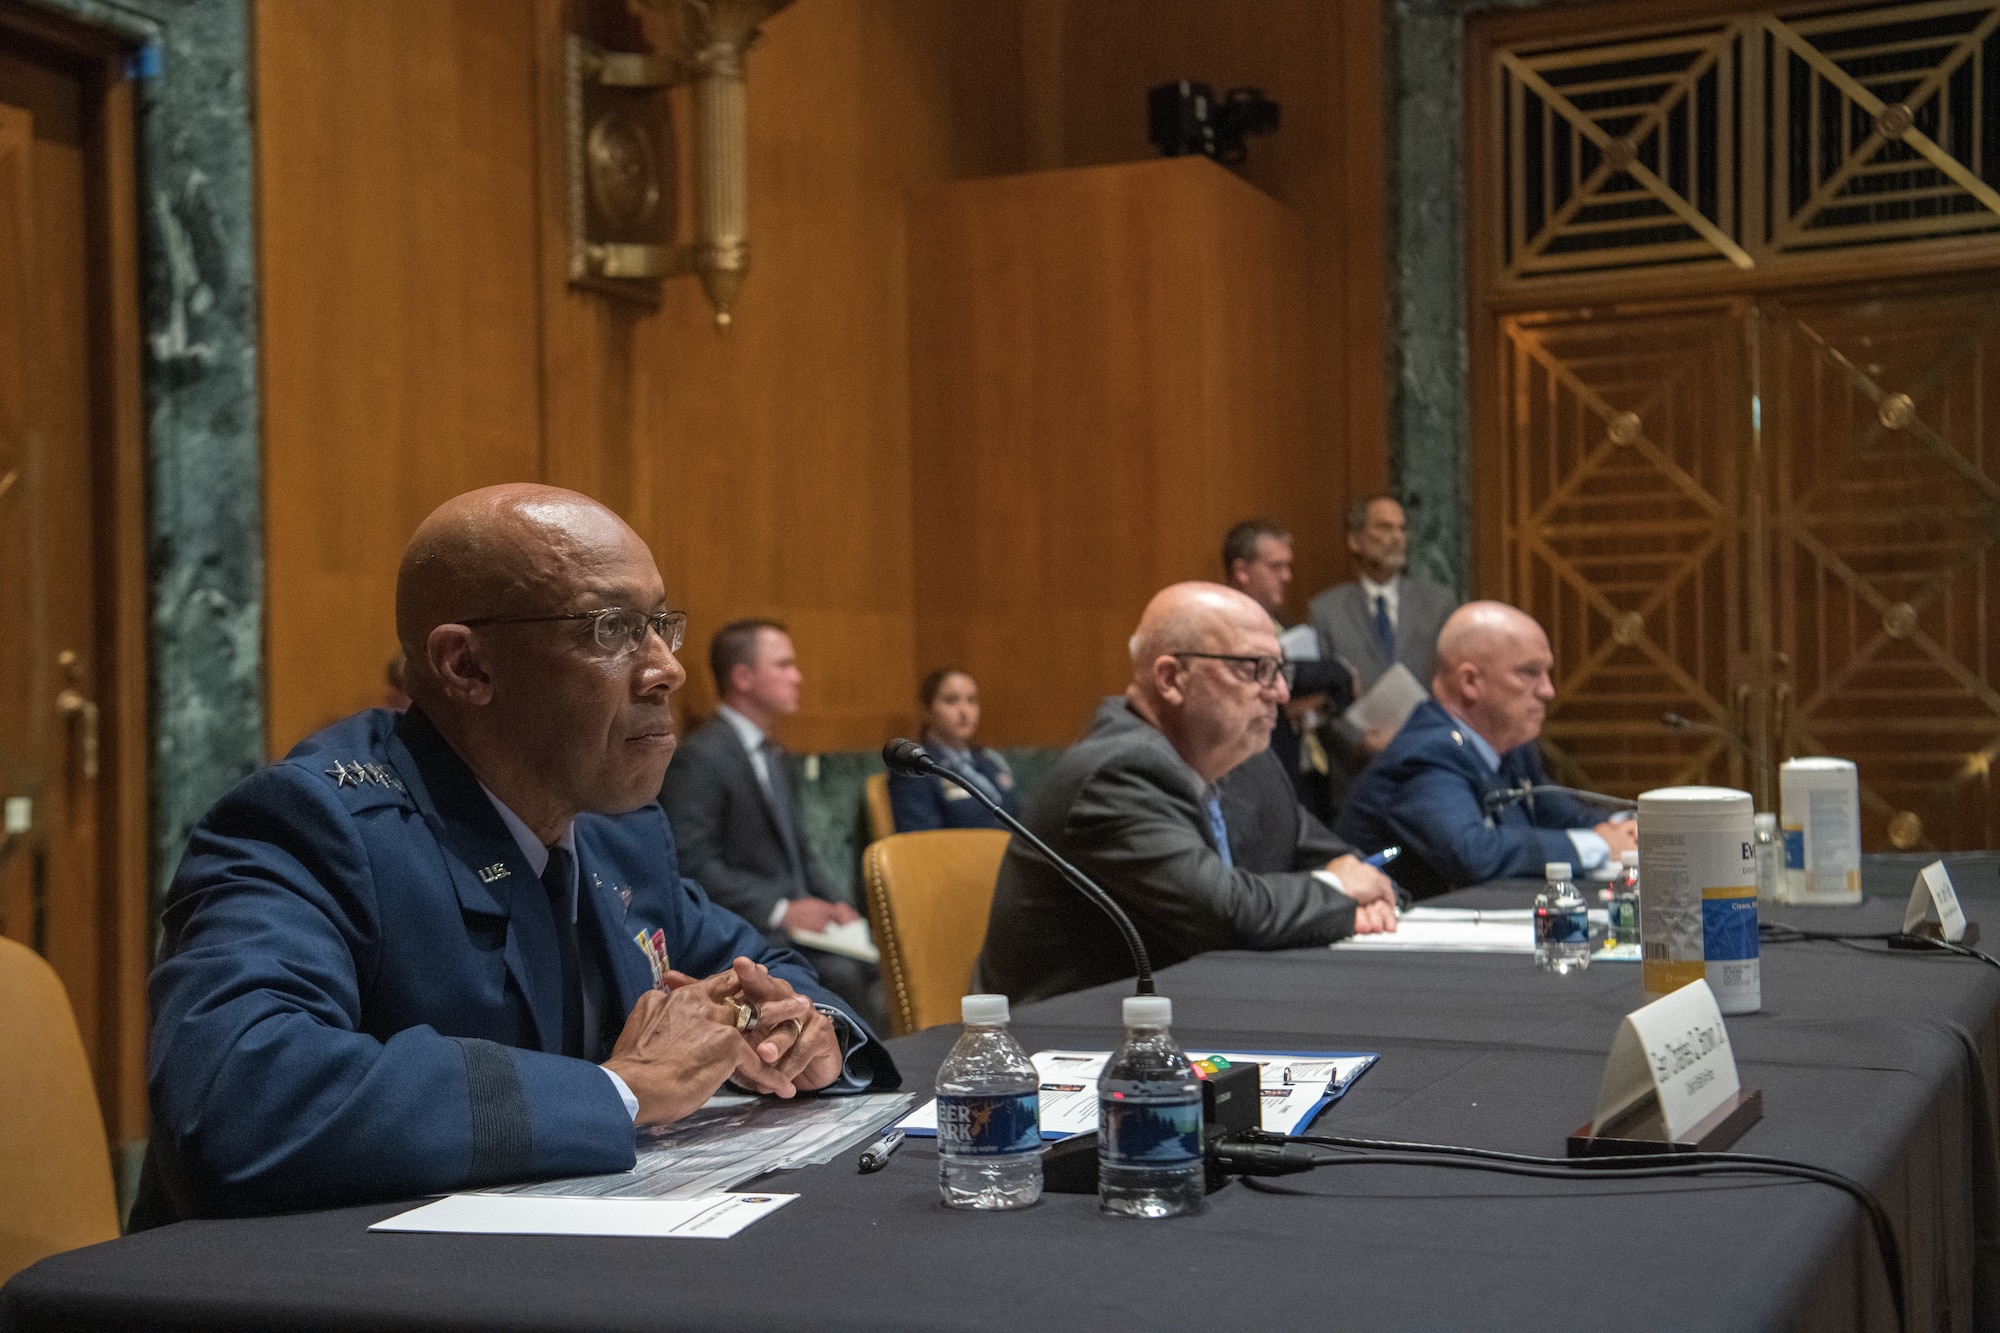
(360, 986)
(922, 801)
(1426, 794)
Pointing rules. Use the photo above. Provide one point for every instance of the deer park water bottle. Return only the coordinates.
(1562, 923)
(1624, 901)
(989, 1114)
(1149, 1134)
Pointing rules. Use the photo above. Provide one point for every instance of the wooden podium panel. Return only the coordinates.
(1106, 371)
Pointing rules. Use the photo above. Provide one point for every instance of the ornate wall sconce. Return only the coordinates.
(620, 226)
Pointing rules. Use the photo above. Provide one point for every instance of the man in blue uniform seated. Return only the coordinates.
(1433, 792)
(451, 947)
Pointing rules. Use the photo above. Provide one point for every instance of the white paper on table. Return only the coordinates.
(850, 939)
(729, 1141)
(1293, 1085)
(704, 1217)
(1434, 930)
(1388, 702)
(1300, 643)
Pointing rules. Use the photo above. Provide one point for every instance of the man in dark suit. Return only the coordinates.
(429, 950)
(1135, 805)
(732, 796)
(1428, 793)
(1383, 617)
(1257, 562)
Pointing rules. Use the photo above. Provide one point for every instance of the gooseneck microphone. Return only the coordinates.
(906, 756)
(1501, 797)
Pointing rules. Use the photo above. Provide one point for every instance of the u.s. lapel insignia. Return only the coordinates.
(624, 894)
(497, 871)
(654, 946)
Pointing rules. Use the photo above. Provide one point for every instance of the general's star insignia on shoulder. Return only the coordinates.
(345, 774)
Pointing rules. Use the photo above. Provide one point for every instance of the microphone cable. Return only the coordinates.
(1899, 941)
(1260, 1153)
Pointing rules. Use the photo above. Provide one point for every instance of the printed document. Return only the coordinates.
(850, 939)
(1388, 702)
(1294, 1086)
(704, 1217)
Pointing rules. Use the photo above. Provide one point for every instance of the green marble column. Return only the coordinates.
(1430, 418)
(205, 550)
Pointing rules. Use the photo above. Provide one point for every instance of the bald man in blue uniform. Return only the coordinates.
(451, 947)
(1475, 737)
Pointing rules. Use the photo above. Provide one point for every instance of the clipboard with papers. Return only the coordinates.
(1295, 1087)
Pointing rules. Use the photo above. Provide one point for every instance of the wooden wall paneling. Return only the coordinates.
(782, 479)
(396, 162)
(1099, 376)
(1324, 64)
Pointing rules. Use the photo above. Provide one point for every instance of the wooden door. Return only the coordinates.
(1778, 517)
(72, 718)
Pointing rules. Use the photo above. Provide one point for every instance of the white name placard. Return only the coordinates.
(1933, 892)
(1675, 1050)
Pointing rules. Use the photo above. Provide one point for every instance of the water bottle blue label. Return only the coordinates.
(1553, 927)
(1729, 925)
(1795, 849)
(1148, 1134)
(989, 1126)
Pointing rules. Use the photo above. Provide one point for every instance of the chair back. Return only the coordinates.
(928, 895)
(881, 815)
(55, 1170)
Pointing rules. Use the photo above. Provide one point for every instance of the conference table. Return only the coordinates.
(1882, 1066)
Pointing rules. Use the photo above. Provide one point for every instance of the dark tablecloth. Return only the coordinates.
(1879, 1066)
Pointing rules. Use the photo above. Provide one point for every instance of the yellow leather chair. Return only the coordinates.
(881, 816)
(55, 1170)
(928, 895)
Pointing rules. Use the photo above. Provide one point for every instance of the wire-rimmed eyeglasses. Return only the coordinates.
(614, 628)
(1261, 670)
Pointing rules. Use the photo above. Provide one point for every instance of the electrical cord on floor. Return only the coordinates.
(1259, 1153)
(1776, 932)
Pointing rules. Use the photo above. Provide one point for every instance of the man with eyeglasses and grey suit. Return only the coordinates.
(1135, 805)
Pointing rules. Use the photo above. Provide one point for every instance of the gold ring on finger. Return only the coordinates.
(746, 1014)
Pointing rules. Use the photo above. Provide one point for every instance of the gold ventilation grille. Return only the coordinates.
(1739, 142)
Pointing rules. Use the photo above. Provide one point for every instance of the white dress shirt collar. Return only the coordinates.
(532, 850)
(1389, 592)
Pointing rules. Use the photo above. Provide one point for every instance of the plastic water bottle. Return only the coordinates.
(1625, 900)
(1562, 923)
(1149, 1134)
(989, 1114)
(1769, 850)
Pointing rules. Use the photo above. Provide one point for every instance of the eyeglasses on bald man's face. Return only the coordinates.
(1258, 671)
(615, 630)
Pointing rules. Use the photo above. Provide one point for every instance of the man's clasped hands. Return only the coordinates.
(682, 1041)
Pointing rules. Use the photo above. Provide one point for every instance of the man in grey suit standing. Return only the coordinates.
(1383, 617)
(1136, 805)
(732, 797)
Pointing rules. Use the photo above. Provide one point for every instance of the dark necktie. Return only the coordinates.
(1385, 632)
(782, 808)
(556, 876)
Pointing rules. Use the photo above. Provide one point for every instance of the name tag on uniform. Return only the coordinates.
(954, 792)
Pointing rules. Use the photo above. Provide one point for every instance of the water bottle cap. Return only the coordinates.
(1148, 1011)
(985, 1010)
(1554, 870)
(1765, 823)
(1629, 857)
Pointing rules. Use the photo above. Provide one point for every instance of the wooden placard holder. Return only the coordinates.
(1639, 1129)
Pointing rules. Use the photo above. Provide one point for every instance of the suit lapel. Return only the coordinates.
(630, 973)
(487, 869)
(1361, 626)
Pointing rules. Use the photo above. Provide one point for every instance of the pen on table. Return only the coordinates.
(1383, 857)
(876, 1156)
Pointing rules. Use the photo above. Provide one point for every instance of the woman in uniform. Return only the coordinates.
(951, 717)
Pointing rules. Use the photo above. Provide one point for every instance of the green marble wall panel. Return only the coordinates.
(1430, 390)
(205, 548)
